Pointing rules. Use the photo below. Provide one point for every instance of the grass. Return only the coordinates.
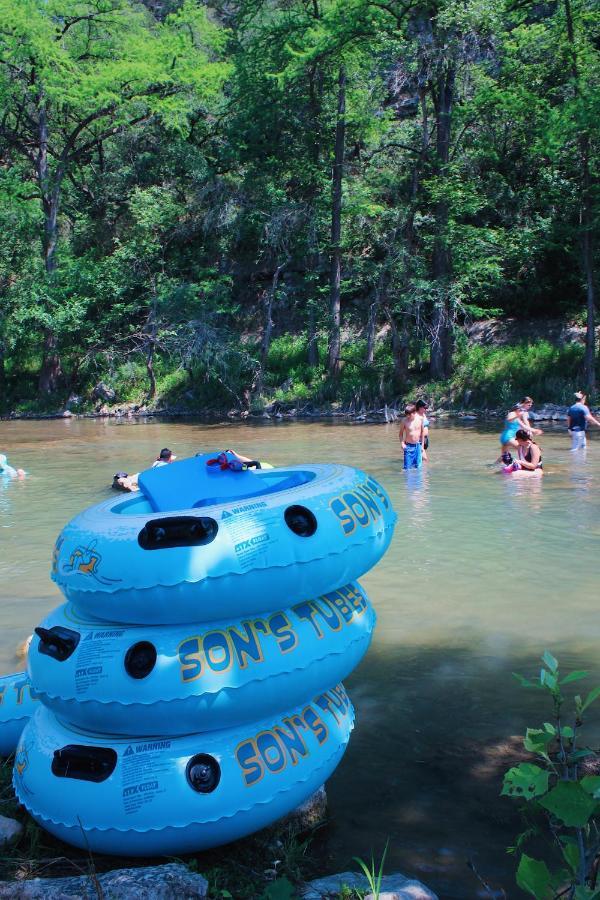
(484, 378)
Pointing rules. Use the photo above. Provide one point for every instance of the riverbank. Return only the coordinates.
(274, 864)
(489, 376)
(549, 412)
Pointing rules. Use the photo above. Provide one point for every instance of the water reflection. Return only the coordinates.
(417, 489)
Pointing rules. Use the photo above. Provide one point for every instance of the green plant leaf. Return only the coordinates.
(525, 780)
(524, 682)
(549, 728)
(536, 740)
(593, 695)
(580, 754)
(570, 803)
(573, 676)
(590, 783)
(570, 853)
(586, 893)
(533, 876)
(548, 680)
(550, 661)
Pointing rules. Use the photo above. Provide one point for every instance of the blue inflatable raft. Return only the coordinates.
(176, 795)
(205, 544)
(178, 679)
(16, 708)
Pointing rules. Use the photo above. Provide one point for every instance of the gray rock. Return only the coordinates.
(396, 885)
(173, 881)
(10, 830)
(103, 392)
(309, 814)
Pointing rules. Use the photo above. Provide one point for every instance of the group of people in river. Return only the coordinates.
(518, 435)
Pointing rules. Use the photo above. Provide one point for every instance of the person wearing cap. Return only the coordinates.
(165, 457)
(578, 417)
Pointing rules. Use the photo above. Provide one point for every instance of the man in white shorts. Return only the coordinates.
(579, 416)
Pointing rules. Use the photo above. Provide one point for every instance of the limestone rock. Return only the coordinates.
(173, 881)
(392, 886)
(309, 814)
(103, 392)
(10, 830)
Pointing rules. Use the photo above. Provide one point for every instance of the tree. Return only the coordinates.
(75, 74)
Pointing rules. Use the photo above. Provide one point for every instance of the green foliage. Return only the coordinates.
(559, 800)
(496, 375)
(373, 874)
(187, 159)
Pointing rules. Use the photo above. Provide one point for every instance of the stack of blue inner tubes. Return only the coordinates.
(188, 692)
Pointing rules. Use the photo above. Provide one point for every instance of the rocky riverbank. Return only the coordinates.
(269, 876)
(549, 412)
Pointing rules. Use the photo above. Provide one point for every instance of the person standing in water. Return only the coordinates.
(578, 417)
(421, 408)
(411, 437)
(516, 418)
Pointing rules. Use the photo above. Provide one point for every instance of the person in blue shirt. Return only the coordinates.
(579, 417)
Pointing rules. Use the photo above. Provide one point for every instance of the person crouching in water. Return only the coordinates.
(412, 437)
(529, 454)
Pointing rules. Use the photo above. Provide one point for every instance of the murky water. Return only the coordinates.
(483, 574)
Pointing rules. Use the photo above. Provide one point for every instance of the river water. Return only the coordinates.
(483, 574)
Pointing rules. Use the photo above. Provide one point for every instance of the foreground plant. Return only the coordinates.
(561, 797)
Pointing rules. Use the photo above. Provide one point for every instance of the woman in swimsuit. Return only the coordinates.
(529, 454)
(518, 417)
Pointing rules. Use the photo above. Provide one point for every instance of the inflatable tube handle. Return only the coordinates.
(84, 763)
(57, 642)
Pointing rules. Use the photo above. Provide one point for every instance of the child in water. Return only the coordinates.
(412, 437)
(508, 463)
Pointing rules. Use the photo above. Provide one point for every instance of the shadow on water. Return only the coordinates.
(436, 729)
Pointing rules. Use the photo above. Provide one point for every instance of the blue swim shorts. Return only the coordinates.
(413, 457)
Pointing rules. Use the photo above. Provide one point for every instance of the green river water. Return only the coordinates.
(484, 572)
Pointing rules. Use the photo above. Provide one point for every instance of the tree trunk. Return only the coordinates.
(399, 349)
(333, 362)
(313, 346)
(268, 299)
(51, 369)
(588, 268)
(587, 242)
(152, 331)
(2, 373)
(441, 262)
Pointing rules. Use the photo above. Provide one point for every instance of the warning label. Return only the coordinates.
(97, 652)
(142, 766)
(252, 535)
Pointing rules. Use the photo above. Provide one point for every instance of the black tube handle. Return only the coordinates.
(57, 642)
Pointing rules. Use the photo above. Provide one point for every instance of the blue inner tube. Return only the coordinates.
(178, 679)
(175, 795)
(201, 544)
(17, 705)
